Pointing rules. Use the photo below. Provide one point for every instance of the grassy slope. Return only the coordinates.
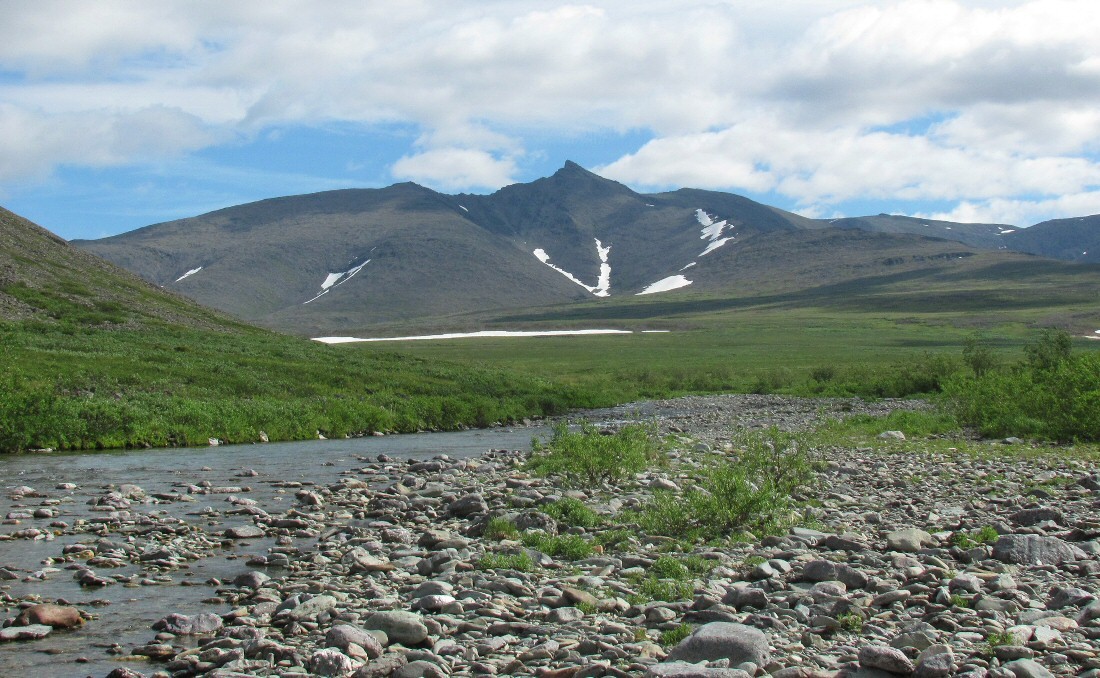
(863, 333)
(93, 356)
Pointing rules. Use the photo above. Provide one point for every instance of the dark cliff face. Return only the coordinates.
(420, 253)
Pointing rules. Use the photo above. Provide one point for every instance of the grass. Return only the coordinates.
(521, 562)
(75, 386)
(572, 512)
(93, 358)
(568, 546)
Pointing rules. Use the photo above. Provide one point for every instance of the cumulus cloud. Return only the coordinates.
(456, 169)
(819, 101)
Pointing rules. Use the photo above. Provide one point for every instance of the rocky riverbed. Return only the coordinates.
(918, 561)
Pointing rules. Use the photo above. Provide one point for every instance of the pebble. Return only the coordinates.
(379, 574)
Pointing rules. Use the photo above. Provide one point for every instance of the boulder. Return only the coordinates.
(407, 628)
(723, 640)
(55, 616)
(344, 635)
(909, 540)
(1033, 549)
(32, 632)
(182, 625)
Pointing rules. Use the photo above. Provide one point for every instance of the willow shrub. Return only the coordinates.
(1054, 401)
(756, 491)
(588, 458)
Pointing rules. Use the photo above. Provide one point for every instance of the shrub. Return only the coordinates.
(1049, 396)
(755, 492)
(500, 528)
(572, 512)
(674, 636)
(588, 458)
(667, 567)
(506, 561)
(613, 539)
(978, 355)
(568, 546)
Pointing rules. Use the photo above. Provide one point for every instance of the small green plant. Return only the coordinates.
(587, 608)
(957, 600)
(613, 539)
(588, 458)
(997, 639)
(500, 528)
(974, 538)
(506, 561)
(568, 546)
(851, 622)
(667, 567)
(674, 636)
(640, 635)
(572, 512)
(665, 589)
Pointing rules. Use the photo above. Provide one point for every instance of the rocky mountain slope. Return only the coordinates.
(329, 262)
(45, 279)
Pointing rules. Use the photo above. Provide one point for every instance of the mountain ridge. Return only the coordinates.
(355, 258)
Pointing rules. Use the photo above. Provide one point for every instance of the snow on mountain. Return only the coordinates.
(602, 288)
(337, 279)
(712, 230)
(189, 273)
(673, 282)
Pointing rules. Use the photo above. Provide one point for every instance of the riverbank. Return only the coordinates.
(916, 557)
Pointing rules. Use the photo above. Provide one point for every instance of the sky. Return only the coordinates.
(116, 114)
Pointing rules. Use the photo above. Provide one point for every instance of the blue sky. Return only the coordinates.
(117, 114)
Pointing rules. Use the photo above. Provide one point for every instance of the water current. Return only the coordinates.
(125, 612)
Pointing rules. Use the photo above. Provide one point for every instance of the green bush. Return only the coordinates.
(674, 636)
(506, 561)
(1043, 397)
(588, 458)
(754, 492)
(572, 512)
(568, 546)
(500, 528)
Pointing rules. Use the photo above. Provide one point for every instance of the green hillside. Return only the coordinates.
(92, 356)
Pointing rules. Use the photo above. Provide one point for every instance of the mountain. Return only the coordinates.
(341, 261)
(1075, 239)
(45, 279)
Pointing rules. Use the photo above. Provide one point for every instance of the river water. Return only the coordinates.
(125, 612)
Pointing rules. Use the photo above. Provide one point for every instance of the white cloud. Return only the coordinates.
(33, 144)
(818, 100)
(456, 169)
(1021, 212)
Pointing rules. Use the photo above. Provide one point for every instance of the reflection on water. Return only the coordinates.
(126, 612)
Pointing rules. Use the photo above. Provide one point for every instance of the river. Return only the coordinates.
(125, 612)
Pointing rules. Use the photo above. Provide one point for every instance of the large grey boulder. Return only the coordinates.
(343, 636)
(723, 640)
(406, 628)
(1033, 549)
(909, 540)
(182, 625)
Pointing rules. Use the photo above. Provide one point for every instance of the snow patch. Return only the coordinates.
(189, 273)
(715, 245)
(688, 266)
(463, 207)
(333, 280)
(1007, 231)
(712, 230)
(602, 288)
(473, 335)
(672, 282)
